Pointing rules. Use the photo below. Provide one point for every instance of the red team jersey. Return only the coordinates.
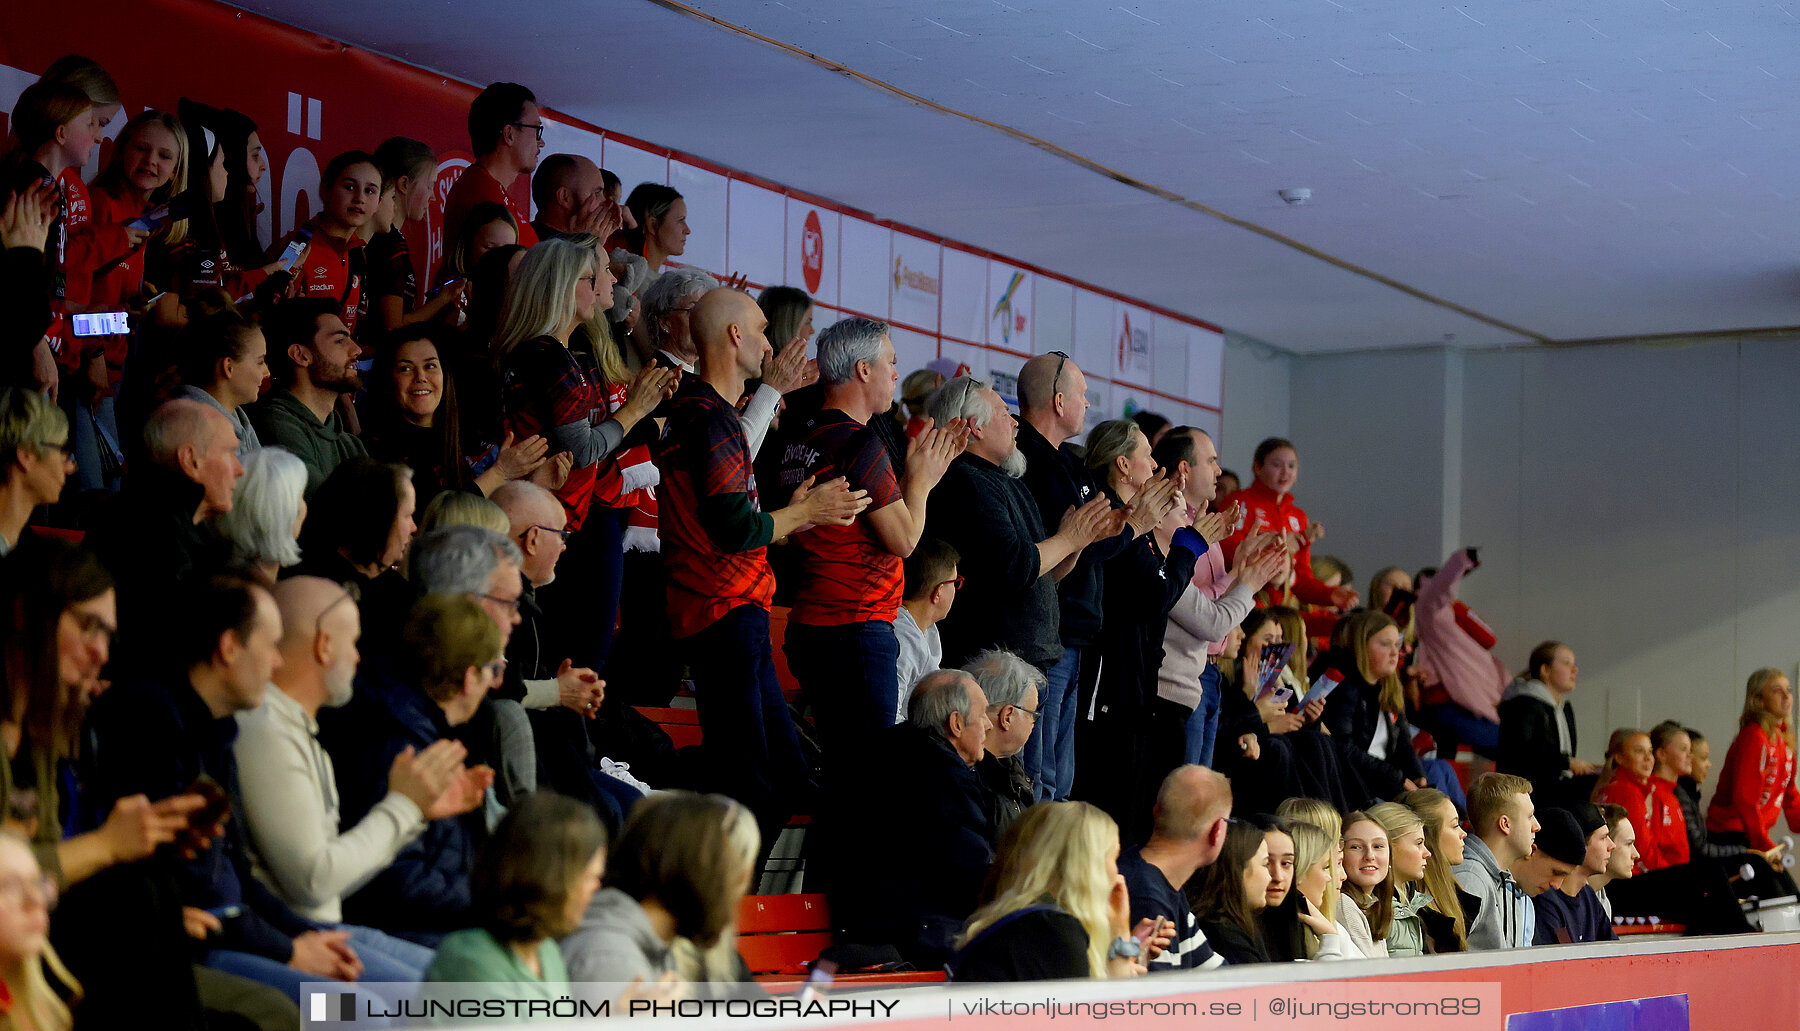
(331, 270)
(474, 186)
(846, 574)
(703, 453)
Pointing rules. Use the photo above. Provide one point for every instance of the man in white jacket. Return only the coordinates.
(289, 793)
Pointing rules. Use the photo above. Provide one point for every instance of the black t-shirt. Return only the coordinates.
(1038, 943)
(1153, 896)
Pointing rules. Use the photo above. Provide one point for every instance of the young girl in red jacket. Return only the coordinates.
(1626, 781)
(1756, 785)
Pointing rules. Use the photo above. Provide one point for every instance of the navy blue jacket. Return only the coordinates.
(1058, 480)
(1009, 600)
(426, 888)
(1582, 918)
(912, 865)
(156, 739)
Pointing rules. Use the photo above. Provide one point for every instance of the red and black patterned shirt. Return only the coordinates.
(704, 454)
(846, 574)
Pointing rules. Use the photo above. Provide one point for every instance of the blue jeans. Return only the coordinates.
(752, 749)
(1049, 754)
(850, 673)
(1464, 727)
(384, 958)
(1203, 725)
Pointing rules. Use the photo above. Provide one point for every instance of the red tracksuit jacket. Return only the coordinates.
(1756, 785)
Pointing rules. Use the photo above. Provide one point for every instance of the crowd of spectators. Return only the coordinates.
(335, 584)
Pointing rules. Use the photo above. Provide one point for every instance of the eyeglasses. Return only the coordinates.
(495, 668)
(565, 534)
(352, 593)
(511, 603)
(1033, 713)
(538, 128)
(67, 448)
(1062, 359)
(956, 580)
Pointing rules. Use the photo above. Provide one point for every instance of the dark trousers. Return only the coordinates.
(752, 750)
(1693, 894)
(644, 669)
(850, 675)
(581, 606)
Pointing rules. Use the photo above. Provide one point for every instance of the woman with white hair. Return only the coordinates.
(267, 510)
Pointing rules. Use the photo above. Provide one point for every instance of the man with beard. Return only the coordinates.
(312, 360)
(982, 510)
(289, 793)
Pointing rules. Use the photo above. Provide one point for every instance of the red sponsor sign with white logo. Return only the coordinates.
(812, 252)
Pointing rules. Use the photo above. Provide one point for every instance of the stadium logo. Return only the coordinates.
(1003, 310)
(812, 252)
(913, 279)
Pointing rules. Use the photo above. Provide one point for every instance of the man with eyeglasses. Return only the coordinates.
(571, 720)
(506, 132)
(34, 459)
(1053, 411)
(1012, 688)
(932, 583)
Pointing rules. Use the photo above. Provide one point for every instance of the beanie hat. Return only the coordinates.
(1559, 836)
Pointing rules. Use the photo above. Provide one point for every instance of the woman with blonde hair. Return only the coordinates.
(1056, 906)
(563, 287)
(1319, 878)
(455, 508)
(1756, 783)
(1446, 925)
(1317, 812)
(1409, 855)
(38, 987)
(1366, 715)
(677, 873)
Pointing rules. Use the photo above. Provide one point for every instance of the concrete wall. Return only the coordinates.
(1258, 384)
(1640, 503)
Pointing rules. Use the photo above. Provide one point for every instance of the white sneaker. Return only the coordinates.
(622, 771)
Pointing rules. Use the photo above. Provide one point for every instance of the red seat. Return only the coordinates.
(682, 734)
(779, 935)
(72, 536)
(682, 717)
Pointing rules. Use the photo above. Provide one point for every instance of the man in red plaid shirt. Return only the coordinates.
(715, 537)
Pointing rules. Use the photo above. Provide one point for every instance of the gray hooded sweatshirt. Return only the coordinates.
(1506, 919)
(615, 942)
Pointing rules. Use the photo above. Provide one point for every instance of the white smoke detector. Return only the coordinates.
(1295, 195)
